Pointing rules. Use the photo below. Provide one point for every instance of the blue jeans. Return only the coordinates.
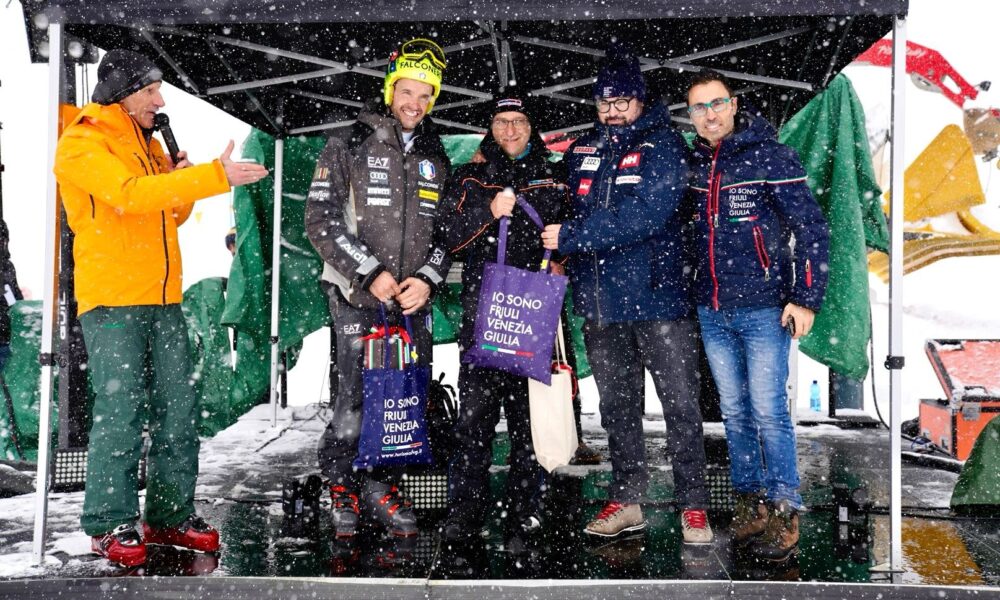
(747, 351)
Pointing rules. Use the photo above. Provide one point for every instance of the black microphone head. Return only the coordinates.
(161, 120)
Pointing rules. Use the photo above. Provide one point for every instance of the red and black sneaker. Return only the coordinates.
(193, 533)
(344, 511)
(122, 545)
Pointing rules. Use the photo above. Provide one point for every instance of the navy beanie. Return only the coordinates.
(620, 75)
(123, 73)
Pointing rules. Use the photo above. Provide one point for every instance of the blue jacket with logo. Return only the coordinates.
(748, 197)
(625, 240)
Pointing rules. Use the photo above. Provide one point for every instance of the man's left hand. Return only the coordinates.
(550, 236)
(803, 316)
(413, 295)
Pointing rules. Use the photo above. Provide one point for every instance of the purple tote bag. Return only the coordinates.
(517, 314)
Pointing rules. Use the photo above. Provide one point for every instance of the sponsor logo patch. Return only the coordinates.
(325, 184)
(585, 150)
(627, 179)
(427, 169)
(378, 162)
(630, 160)
(427, 184)
(319, 194)
(430, 205)
(428, 195)
(377, 201)
(509, 102)
(379, 191)
(591, 163)
(352, 329)
(346, 246)
(378, 176)
(584, 188)
(437, 257)
(321, 173)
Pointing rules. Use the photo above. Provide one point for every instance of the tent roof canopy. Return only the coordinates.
(290, 67)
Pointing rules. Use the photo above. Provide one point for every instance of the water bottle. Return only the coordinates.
(814, 396)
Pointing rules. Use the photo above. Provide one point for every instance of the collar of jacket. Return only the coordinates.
(113, 117)
(751, 129)
(375, 114)
(653, 116)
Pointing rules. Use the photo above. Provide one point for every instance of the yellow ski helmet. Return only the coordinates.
(418, 59)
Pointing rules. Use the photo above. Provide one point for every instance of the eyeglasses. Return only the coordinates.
(701, 109)
(419, 48)
(620, 104)
(519, 124)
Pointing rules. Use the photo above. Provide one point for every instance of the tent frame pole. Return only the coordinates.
(279, 156)
(48, 300)
(895, 359)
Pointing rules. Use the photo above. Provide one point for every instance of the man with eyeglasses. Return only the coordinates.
(516, 163)
(626, 264)
(749, 199)
(370, 214)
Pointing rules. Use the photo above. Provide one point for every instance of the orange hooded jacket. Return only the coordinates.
(124, 208)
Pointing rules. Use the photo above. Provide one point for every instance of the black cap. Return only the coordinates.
(123, 73)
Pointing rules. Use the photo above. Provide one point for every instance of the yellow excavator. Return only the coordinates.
(944, 180)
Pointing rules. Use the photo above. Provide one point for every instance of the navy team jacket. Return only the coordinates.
(748, 196)
(625, 239)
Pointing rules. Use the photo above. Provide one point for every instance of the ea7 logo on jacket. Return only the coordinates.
(352, 329)
(378, 162)
(584, 188)
(437, 257)
(630, 160)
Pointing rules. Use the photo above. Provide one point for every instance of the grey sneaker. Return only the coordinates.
(695, 527)
(616, 519)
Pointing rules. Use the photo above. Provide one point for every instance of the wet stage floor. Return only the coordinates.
(259, 540)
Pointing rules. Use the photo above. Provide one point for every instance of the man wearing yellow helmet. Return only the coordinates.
(370, 214)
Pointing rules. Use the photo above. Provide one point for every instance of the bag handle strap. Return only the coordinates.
(561, 344)
(505, 224)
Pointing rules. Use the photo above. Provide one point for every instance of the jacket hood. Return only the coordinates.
(751, 129)
(376, 115)
(654, 116)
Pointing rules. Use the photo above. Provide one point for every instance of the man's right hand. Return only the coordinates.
(240, 173)
(502, 205)
(384, 288)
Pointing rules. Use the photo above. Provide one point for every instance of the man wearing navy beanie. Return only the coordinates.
(626, 264)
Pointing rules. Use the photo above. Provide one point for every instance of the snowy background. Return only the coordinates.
(954, 298)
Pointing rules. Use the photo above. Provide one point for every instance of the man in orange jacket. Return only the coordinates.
(124, 200)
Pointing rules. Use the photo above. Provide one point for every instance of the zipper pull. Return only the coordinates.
(715, 220)
(767, 274)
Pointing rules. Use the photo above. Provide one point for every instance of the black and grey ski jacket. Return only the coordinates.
(372, 207)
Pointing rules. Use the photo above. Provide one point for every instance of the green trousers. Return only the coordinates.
(139, 365)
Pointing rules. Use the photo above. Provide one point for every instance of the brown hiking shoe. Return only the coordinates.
(781, 536)
(616, 519)
(585, 455)
(749, 518)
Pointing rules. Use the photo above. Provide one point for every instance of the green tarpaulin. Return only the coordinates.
(21, 375)
(978, 485)
(211, 354)
(829, 134)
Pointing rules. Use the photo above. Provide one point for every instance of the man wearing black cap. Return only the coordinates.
(626, 265)
(370, 215)
(516, 163)
(124, 200)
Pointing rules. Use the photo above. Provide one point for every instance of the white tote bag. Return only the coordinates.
(553, 428)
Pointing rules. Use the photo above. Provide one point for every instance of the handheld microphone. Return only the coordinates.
(161, 123)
